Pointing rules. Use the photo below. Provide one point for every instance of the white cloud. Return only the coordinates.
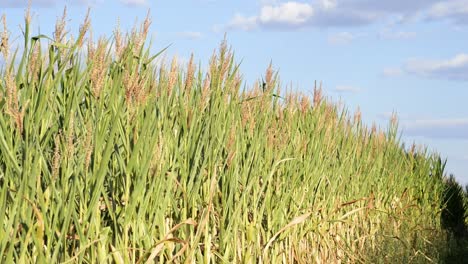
(289, 13)
(24, 3)
(241, 22)
(418, 123)
(268, 2)
(455, 68)
(392, 72)
(446, 9)
(347, 89)
(190, 34)
(396, 35)
(352, 13)
(292, 14)
(341, 38)
(134, 2)
(328, 4)
(437, 128)
(45, 3)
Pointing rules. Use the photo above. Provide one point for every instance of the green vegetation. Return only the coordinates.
(455, 221)
(107, 157)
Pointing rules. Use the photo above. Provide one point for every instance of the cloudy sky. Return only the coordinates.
(408, 56)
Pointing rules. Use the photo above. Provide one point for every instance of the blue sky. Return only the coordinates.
(408, 56)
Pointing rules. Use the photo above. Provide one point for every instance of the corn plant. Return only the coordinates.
(109, 157)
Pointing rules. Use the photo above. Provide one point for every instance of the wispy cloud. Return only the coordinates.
(451, 128)
(455, 10)
(240, 22)
(294, 14)
(347, 89)
(134, 2)
(455, 68)
(388, 34)
(43, 3)
(392, 72)
(24, 3)
(288, 14)
(348, 13)
(341, 38)
(268, 2)
(190, 34)
(394, 6)
(328, 4)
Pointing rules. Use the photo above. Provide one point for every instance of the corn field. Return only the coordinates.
(109, 157)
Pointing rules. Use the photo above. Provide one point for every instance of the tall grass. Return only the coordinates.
(107, 157)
